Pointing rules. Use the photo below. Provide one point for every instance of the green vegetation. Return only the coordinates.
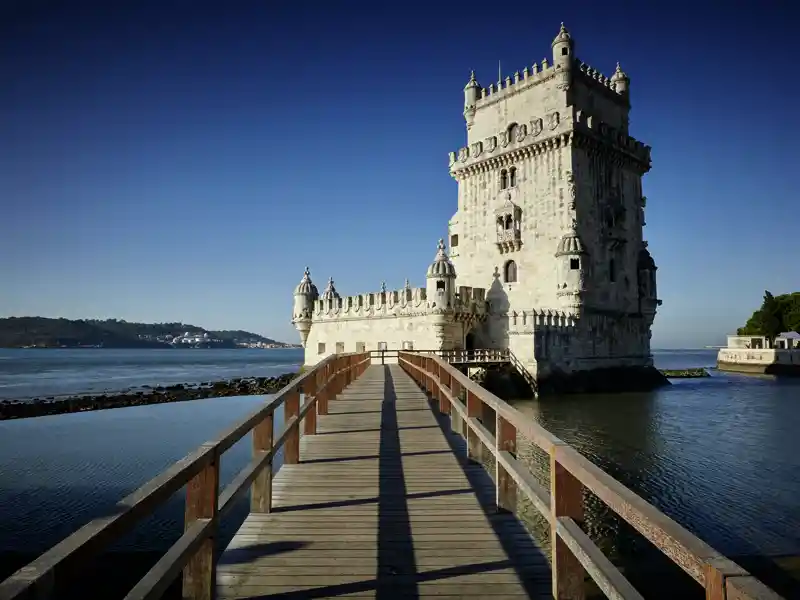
(685, 373)
(17, 332)
(776, 315)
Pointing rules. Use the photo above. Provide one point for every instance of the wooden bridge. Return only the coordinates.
(382, 494)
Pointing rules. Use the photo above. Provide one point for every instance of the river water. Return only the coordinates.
(721, 455)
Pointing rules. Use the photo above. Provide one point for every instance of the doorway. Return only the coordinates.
(469, 342)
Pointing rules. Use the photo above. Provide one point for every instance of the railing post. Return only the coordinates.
(310, 420)
(322, 386)
(506, 439)
(202, 494)
(444, 403)
(261, 490)
(291, 448)
(566, 500)
(474, 409)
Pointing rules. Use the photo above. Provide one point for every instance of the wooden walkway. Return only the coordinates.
(383, 505)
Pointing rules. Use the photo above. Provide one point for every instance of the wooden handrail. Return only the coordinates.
(193, 553)
(573, 553)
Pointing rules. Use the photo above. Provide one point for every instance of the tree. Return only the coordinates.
(771, 317)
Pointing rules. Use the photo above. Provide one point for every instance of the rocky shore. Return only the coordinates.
(39, 407)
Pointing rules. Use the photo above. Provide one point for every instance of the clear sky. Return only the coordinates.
(185, 160)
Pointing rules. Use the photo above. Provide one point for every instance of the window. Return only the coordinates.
(382, 346)
(503, 179)
(361, 347)
(454, 240)
(510, 272)
(339, 347)
(408, 345)
(564, 51)
(512, 177)
(612, 271)
(321, 348)
(440, 286)
(574, 264)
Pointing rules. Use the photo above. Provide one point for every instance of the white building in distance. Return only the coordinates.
(547, 256)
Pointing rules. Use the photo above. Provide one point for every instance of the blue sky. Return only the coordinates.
(184, 160)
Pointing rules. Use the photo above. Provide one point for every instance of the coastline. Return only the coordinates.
(182, 392)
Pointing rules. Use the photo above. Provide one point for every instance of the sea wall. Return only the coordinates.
(768, 361)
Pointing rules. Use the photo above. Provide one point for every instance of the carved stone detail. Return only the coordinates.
(522, 131)
(491, 144)
(536, 127)
(476, 149)
(504, 138)
(553, 120)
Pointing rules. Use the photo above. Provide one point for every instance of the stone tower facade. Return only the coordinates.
(547, 255)
(550, 217)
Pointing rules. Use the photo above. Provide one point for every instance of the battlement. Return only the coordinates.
(525, 321)
(617, 138)
(521, 81)
(589, 73)
(407, 301)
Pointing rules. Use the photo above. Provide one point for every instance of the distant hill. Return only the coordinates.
(18, 332)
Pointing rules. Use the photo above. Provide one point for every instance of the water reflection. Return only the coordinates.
(719, 455)
(59, 472)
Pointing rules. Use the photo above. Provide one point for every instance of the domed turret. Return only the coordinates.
(441, 278)
(648, 293)
(571, 264)
(304, 296)
(472, 92)
(330, 292)
(563, 57)
(621, 81)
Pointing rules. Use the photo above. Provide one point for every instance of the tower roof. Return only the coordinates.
(570, 243)
(330, 292)
(619, 74)
(441, 265)
(563, 36)
(472, 83)
(306, 287)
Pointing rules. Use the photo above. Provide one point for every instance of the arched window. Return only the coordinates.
(503, 179)
(439, 285)
(510, 272)
(513, 131)
(512, 177)
(509, 222)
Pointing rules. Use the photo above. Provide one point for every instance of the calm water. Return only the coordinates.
(40, 373)
(721, 455)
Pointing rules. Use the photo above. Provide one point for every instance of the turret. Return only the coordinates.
(330, 292)
(304, 296)
(572, 266)
(621, 82)
(648, 292)
(441, 281)
(472, 92)
(564, 57)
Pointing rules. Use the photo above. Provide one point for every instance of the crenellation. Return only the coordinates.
(546, 249)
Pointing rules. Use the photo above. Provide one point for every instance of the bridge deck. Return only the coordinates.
(382, 506)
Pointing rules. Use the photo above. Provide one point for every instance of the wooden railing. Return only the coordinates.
(193, 553)
(573, 552)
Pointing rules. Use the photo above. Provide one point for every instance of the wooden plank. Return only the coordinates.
(202, 497)
(380, 502)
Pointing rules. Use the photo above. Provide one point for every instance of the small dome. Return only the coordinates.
(472, 83)
(330, 292)
(619, 75)
(441, 265)
(570, 243)
(563, 36)
(645, 261)
(307, 287)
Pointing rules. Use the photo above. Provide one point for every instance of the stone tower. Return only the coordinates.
(550, 216)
